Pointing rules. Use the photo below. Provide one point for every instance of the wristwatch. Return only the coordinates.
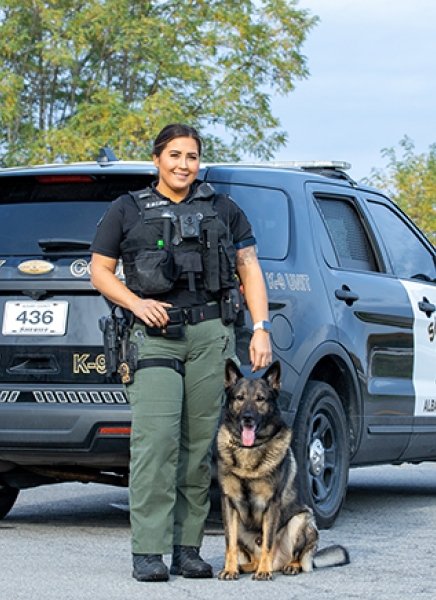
(265, 325)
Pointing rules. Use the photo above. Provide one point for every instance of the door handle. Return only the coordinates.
(426, 306)
(346, 295)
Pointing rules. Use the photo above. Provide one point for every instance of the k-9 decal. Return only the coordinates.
(295, 282)
(84, 364)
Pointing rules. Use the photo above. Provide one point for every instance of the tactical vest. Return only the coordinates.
(185, 245)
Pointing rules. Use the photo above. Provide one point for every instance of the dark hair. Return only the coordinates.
(170, 132)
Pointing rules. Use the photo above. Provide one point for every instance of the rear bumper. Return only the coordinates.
(64, 425)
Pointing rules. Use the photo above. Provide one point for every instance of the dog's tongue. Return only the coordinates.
(248, 436)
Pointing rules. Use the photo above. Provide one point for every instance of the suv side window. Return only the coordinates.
(409, 256)
(347, 234)
(268, 212)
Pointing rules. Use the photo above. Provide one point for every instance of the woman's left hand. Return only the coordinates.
(260, 350)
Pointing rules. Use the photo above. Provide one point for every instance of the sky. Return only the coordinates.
(372, 81)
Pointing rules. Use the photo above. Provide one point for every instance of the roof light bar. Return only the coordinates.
(287, 164)
(314, 164)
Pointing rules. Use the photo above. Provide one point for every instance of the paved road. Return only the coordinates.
(71, 542)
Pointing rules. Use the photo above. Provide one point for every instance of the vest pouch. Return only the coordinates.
(227, 264)
(189, 261)
(190, 265)
(219, 257)
(155, 271)
(232, 307)
(211, 261)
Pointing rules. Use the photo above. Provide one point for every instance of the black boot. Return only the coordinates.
(188, 562)
(149, 567)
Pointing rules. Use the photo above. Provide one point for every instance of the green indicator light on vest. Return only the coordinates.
(160, 244)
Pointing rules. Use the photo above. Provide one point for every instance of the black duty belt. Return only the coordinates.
(197, 314)
(192, 315)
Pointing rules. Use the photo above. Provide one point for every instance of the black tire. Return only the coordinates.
(322, 450)
(8, 495)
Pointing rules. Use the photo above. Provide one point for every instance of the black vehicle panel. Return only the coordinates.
(374, 320)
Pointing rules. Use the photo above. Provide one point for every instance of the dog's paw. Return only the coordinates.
(263, 576)
(227, 575)
(292, 568)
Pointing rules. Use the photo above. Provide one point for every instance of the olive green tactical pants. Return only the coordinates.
(174, 420)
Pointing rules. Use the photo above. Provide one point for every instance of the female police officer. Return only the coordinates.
(181, 244)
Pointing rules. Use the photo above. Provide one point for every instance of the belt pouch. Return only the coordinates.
(175, 328)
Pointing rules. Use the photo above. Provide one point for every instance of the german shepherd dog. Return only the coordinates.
(266, 528)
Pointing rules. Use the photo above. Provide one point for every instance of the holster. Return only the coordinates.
(128, 360)
(121, 355)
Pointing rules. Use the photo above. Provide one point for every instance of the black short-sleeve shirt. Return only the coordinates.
(123, 214)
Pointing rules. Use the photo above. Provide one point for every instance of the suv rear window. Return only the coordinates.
(22, 225)
(41, 208)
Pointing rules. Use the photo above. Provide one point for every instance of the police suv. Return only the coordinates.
(352, 298)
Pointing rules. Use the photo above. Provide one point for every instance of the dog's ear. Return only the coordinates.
(232, 373)
(272, 375)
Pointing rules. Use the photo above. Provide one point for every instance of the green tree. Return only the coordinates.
(410, 180)
(78, 74)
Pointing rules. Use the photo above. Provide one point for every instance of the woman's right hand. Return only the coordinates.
(152, 312)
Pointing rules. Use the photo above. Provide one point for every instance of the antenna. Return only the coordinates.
(105, 155)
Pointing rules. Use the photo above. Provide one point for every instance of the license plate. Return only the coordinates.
(35, 318)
